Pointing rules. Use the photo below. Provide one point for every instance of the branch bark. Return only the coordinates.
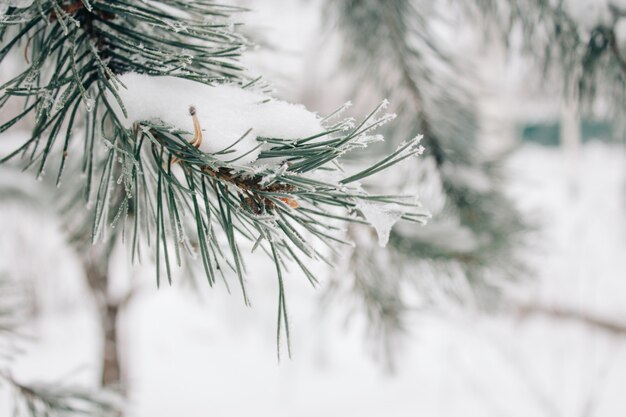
(564, 313)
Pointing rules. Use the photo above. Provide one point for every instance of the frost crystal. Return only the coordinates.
(89, 103)
(270, 178)
(365, 140)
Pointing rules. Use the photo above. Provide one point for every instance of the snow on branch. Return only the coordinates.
(179, 151)
(234, 120)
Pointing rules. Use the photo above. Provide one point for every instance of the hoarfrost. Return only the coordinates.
(89, 104)
(270, 178)
(347, 124)
(365, 140)
(339, 111)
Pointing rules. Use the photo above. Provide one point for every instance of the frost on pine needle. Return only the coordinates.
(285, 197)
(234, 120)
(190, 159)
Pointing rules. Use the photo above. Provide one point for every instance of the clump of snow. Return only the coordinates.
(382, 217)
(226, 112)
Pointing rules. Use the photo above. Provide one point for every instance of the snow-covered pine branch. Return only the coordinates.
(179, 148)
(255, 171)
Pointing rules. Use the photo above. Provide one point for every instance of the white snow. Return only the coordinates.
(226, 112)
(199, 358)
(30, 255)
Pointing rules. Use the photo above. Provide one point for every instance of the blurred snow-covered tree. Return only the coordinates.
(22, 298)
(32, 398)
(466, 251)
(404, 50)
(579, 43)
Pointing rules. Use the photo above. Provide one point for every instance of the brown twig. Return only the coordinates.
(26, 49)
(565, 313)
(77, 6)
(251, 187)
(69, 9)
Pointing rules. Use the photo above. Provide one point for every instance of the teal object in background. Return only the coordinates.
(549, 133)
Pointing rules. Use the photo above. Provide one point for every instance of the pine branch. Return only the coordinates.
(41, 400)
(569, 314)
(395, 20)
(153, 183)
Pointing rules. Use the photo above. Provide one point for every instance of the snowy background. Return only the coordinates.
(199, 351)
(197, 355)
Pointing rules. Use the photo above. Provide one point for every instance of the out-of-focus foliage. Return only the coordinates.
(33, 399)
(402, 50)
(395, 50)
(581, 43)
